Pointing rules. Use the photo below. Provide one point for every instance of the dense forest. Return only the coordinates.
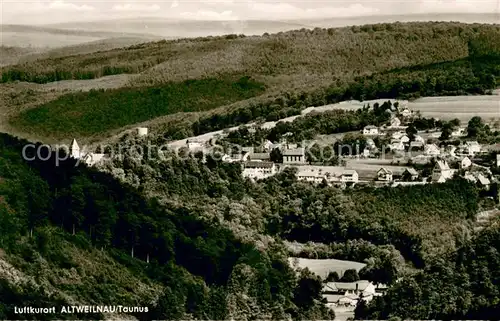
(463, 285)
(353, 50)
(203, 270)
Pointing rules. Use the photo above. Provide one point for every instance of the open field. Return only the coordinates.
(461, 107)
(42, 40)
(323, 267)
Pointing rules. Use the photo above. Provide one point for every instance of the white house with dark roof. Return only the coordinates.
(313, 175)
(384, 174)
(465, 162)
(370, 130)
(258, 169)
(431, 150)
(349, 176)
(442, 172)
(472, 147)
(294, 156)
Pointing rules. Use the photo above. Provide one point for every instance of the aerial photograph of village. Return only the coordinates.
(249, 160)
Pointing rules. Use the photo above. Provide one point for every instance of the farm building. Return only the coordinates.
(404, 139)
(406, 112)
(142, 131)
(311, 175)
(92, 159)
(397, 145)
(395, 122)
(483, 181)
(460, 132)
(419, 139)
(194, 145)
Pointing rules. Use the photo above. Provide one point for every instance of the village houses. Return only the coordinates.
(349, 293)
(384, 174)
(472, 148)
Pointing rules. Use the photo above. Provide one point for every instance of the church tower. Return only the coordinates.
(74, 149)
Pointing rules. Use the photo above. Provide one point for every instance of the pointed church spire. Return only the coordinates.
(74, 149)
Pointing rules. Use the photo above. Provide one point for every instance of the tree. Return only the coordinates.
(350, 275)
(446, 131)
(276, 155)
(411, 131)
(455, 122)
(333, 276)
(308, 289)
(475, 126)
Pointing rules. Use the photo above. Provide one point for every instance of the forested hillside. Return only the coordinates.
(212, 239)
(71, 235)
(463, 285)
(297, 69)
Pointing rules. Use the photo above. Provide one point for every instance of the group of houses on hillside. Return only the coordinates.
(348, 294)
